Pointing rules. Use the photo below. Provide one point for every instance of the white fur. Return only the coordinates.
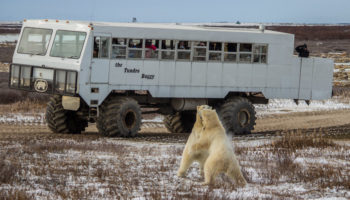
(209, 145)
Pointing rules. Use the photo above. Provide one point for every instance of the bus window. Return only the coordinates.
(184, 50)
(199, 51)
(230, 52)
(135, 48)
(186, 45)
(245, 58)
(151, 49)
(245, 53)
(215, 51)
(104, 50)
(168, 50)
(119, 48)
(260, 52)
(96, 47)
(101, 47)
(245, 47)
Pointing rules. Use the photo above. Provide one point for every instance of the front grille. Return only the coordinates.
(43, 79)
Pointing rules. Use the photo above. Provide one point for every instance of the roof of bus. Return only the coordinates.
(166, 26)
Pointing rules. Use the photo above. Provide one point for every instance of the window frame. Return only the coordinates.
(100, 47)
(119, 45)
(48, 44)
(215, 51)
(161, 50)
(53, 42)
(158, 50)
(260, 53)
(139, 49)
(183, 50)
(238, 53)
(206, 47)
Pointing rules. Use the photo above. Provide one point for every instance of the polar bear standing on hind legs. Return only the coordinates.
(209, 145)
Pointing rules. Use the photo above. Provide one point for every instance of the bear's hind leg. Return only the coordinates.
(234, 172)
(210, 171)
(186, 161)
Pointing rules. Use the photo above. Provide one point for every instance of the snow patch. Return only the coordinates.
(279, 106)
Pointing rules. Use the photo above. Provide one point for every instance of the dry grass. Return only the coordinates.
(295, 140)
(89, 166)
(28, 106)
(299, 158)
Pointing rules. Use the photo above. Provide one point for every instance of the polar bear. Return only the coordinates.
(209, 145)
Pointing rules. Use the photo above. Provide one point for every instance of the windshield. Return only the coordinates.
(68, 44)
(34, 41)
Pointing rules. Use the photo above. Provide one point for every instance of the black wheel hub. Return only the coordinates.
(129, 119)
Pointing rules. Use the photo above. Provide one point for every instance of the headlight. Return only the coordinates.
(71, 82)
(25, 76)
(60, 80)
(14, 75)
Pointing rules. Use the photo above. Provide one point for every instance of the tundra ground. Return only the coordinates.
(292, 155)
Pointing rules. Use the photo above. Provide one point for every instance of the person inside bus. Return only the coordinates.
(215, 46)
(96, 48)
(232, 47)
(181, 45)
(202, 44)
(131, 44)
(149, 45)
(150, 48)
(139, 45)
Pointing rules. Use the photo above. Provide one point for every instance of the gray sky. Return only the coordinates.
(294, 11)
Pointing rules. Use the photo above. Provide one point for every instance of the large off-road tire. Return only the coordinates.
(237, 116)
(60, 120)
(180, 122)
(119, 116)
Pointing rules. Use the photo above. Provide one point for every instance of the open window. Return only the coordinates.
(184, 50)
(168, 50)
(199, 51)
(215, 51)
(245, 53)
(119, 48)
(151, 49)
(135, 48)
(260, 53)
(230, 52)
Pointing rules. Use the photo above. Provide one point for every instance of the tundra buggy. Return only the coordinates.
(107, 72)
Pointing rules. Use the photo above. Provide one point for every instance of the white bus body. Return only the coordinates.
(93, 60)
(282, 76)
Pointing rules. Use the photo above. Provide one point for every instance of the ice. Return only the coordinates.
(8, 38)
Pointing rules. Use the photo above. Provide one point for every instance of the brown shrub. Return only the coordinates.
(8, 170)
(14, 194)
(298, 140)
(315, 32)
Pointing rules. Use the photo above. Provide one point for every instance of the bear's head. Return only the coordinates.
(210, 118)
(198, 116)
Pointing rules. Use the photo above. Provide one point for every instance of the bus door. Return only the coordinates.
(100, 58)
